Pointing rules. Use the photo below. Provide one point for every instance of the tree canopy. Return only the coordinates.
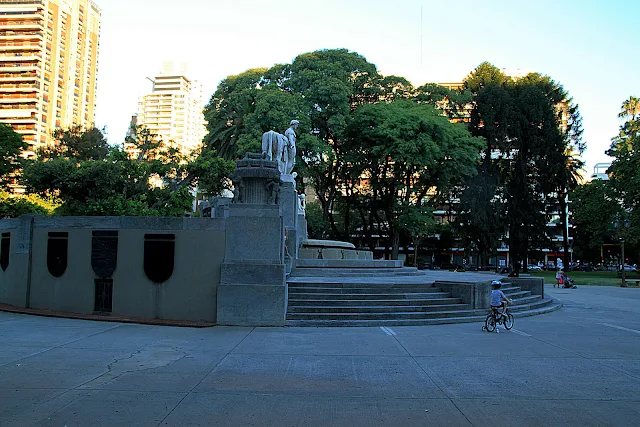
(625, 169)
(359, 132)
(529, 125)
(11, 148)
(148, 178)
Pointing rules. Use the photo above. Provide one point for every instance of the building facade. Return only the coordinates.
(48, 66)
(174, 109)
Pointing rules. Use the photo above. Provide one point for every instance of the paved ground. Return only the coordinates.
(578, 366)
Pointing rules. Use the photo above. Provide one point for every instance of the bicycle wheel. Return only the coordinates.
(490, 323)
(508, 322)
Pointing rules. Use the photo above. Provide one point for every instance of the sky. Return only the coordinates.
(588, 46)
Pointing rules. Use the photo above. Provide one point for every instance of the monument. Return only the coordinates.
(252, 288)
(281, 148)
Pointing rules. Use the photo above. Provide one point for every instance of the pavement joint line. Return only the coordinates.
(387, 330)
(592, 359)
(62, 345)
(444, 392)
(206, 375)
(520, 333)
(621, 328)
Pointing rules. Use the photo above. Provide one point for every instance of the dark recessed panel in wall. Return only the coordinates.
(57, 246)
(104, 295)
(104, 252)
(5, 247)
(159, 251)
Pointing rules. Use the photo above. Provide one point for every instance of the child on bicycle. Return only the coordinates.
(499, 300)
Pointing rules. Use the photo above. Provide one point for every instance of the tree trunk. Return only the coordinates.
(565, 232)
(395, 243)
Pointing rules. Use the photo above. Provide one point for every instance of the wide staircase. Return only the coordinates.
(383, 293)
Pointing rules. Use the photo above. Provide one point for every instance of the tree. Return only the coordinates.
(630, 109)
(76, 143)
(527, 135)
(144, 177)
(593, 214)
(452, 102)
(320, 89)
(481, 215)
(13, 205)
(11, 149)
(405, 156)
(625, 169)
(328, 91)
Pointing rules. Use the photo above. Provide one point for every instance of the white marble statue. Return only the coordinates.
(291, 146)
(302, 204)
(281, 148)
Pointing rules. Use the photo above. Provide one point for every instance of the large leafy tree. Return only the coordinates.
(529, 124)
(333, 93)
(76, 143)
(320, 89)
(625, 168)
(11, 149)
(593, 214)
(146, 178)
(405, 155)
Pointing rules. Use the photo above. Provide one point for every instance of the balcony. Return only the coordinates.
(21, 25)
(5, 57)
(18, 97)
(12, 88)
(22, 35)
(29, 67)
(18, 114)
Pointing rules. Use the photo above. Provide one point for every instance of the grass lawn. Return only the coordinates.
(591, 278)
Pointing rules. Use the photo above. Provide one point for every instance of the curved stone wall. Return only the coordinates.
(160, 268)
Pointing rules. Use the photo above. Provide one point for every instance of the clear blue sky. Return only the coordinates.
(589, 46)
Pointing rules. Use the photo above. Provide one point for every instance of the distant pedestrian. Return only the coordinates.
(559, 278)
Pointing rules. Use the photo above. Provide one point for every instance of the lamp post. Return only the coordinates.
(626, 223)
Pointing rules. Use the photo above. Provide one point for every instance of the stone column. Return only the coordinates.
(288, 202)
(253, 289)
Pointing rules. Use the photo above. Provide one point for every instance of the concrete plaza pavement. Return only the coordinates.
(578, 366)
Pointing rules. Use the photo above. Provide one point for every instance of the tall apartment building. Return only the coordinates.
(174, 109)
(48, 65)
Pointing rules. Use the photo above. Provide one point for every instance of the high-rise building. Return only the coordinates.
(48, 65)
(174, 109)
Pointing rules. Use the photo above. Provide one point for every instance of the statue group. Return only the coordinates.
(281, 148)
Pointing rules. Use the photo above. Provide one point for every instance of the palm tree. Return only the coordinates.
(630, 109)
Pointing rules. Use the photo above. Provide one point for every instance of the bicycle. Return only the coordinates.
(496, 318)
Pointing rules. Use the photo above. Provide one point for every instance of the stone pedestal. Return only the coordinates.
(252, 289)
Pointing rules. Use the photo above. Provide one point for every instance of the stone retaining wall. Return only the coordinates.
(106, 265)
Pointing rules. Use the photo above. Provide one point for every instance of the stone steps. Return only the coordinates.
(356, 272)
(347, 263)
(375, 308)
(378, 293)
(333, 296)
(550, 306)
(376, 300)
(361, 287)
